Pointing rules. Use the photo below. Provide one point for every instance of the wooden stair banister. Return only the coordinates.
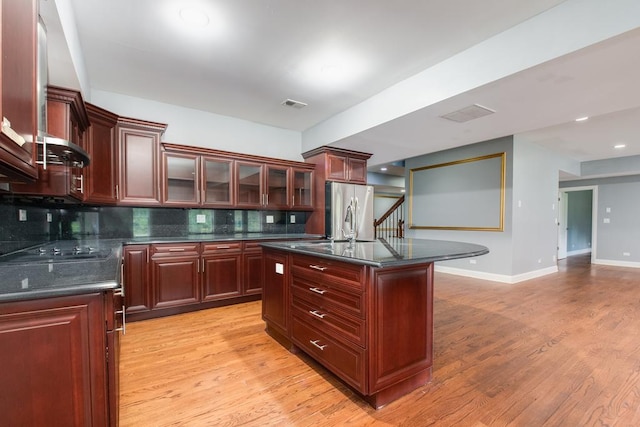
(399, 226)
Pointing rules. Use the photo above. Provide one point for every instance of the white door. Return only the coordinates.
(562, 224)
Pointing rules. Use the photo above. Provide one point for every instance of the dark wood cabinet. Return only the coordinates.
(175, 272)
(169, 278)
(139, 162)
(252, 277)
(336, 164)
(62, 366)
(193, 180)
(100, 177)
(302, 189)
(372, 327)
(136, 277)
(249, 184)
(18, 88)
(332, 164)
(194, 176)
(221, 270)
(275, 293)
(278, 191)
(67, 119)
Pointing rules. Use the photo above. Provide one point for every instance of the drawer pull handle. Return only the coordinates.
(123, 328)
(317, 290)
(318, 315)
(223, 247)
(315, 343)
(176, 249)
(317, 267)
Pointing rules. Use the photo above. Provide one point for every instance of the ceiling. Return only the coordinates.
(335, 55)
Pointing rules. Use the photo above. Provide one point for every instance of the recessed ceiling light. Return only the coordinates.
(195, 17)
(582, 119)
(383, 169)
(619, 146)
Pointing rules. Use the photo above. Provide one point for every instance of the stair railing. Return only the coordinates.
(391, 223)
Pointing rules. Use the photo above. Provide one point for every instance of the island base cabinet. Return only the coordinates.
(275, 294)
(53, 364)
(372, 327)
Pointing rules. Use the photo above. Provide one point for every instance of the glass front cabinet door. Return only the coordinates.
(277, 196)
(302, 196)
(181, 183)
(217, 182)
(249, 182)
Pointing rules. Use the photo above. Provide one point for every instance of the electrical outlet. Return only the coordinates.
(201, 219)
(473, 261)
(49, 217)
(269, 219)
(22, 215)
(606, 220)
(539, 260)
(292, 219)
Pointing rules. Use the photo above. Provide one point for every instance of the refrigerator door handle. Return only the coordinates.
(356, 225)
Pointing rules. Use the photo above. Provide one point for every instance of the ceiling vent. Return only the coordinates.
(468, 113)
(293, 103)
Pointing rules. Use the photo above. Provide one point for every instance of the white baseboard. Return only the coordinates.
(616, 263)
(503, 278)
(579, 252)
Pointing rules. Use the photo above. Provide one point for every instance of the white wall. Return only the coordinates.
(202, 129)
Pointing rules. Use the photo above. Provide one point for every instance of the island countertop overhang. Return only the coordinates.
(384, 253)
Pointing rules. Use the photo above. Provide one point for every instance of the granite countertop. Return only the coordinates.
(27, 274)
(49, 277)
(383, 253)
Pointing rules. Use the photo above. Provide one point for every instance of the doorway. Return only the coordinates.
(577, 221)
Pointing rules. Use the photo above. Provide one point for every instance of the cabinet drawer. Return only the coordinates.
(347, 361)
(329, 295)
(253, 246)
(330, 321)
(221, 247)
(175, 249)
(323, 270)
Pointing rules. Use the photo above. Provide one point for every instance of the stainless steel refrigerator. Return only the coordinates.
(348, 211)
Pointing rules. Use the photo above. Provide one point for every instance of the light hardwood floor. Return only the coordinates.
(561, 350)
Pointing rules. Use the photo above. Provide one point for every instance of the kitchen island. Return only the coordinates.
(364, 310)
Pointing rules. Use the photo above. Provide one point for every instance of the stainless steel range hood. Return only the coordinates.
(57, 151)
(50, 149)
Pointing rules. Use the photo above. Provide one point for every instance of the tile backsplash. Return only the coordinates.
(25, 222)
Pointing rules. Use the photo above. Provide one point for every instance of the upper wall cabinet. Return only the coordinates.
(336, 164)
(194, 176)
(18, 88)
(67, 120)
(332, 164)
(190, 179)
(139, 162)
(100, 177)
